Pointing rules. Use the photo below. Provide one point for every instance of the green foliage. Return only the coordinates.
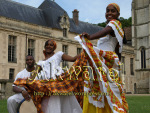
(124, 22)
(102, 24)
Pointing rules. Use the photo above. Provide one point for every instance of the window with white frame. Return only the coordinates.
(12, 49)
(65, 50)
(64, 32)
(11, 73)
(79, 50)
(31, 47)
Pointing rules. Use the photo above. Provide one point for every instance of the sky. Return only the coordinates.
(91, 11)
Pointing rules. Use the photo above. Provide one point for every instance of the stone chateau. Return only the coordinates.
(141, 44)
(24, 30)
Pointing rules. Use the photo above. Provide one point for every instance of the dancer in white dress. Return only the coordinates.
(104, 59)
(50, 68)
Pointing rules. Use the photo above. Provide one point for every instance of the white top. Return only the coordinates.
(57, 104)
(22, 74)
(107, 43)
(51, 67)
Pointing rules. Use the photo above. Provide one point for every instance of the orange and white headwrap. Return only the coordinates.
(55, 45)
(116, 6)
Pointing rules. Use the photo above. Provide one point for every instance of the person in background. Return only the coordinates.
(21, 93)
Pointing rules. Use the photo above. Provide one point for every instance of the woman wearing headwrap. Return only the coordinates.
(50, 69)
(51, 64)
(105, 62)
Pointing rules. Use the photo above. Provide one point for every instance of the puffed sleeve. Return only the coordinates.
(59, 55)
(119, 33)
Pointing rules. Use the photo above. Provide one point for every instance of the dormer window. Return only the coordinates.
(65, 25)
(65, 19)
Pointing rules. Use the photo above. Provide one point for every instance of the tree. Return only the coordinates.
(125, 22)
(102, 24)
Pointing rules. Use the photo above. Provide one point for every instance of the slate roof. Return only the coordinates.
(52, 12)
(47, 14)
(83, 27)
(52, 17)
(50, 4)
(128, 33)
(14, 10)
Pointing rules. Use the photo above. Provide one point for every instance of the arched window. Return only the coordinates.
(143, 58)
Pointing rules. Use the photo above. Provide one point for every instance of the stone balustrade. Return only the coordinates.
(5, 88)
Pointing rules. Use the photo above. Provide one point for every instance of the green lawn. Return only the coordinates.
(137, 104)
(3, 106)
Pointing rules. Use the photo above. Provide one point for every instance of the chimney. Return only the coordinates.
(76, 16)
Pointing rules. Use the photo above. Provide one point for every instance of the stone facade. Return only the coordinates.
(24, 31)
(129, 78)
(141, 44)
